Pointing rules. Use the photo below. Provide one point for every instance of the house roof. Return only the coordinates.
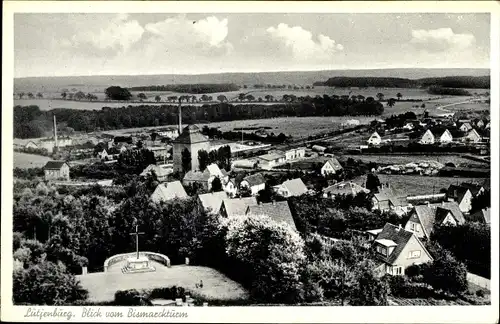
(345, 188)
(212, 201)
(386, 242)
(451, 206)
(255, 179)
(271, 156)
(457, 192)
(386, 193)
(334, 163)
(169, 191)
(474, 133)
(482, 216)
(399, 236)
(441, 132)
(295, 187)
(54, 165)
(191, 134)
(426, 214)
(214, 170)
(238, 206)
(197, 176)
(473, 187)
(159, 171)
(279, 211)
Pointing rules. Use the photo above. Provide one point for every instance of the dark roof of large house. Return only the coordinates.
(473, 187)
(191, 134)
(453, 208)
(255, 179)
(456, 192)
(279, 211)
(427, 216)
(398, 235)
(482, 216)
(54, 165)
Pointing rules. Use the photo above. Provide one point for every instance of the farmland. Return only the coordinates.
(403, 159)
(419, 185)
(26, 161)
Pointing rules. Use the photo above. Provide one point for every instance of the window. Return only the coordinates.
(414, 227)
(381, 250)
(414, 254)
(397, 270)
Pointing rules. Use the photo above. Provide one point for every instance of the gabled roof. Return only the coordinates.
(238, 206)
(426, 215)
(212, 201)
(474, 133)
(295, 187)
(255, 179)
(271, 157)
(473, 187)
(482, 216)
(375, 134)
(345, 188)
(399, 236)
(54, 165)
(279, 211)
(334, 163)
(428, 132)
(441, 132)
(456, 192)
(191, 134)
(169, 191)
(386, 193)
(452, 207)
(214, 170)
(197, 176)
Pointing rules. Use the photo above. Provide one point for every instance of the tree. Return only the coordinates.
(203, 159)
(391, 102)
(79, 95)
(117, 93)
(241, 96)
(142, 96)
(21, 95)
(372, 182)
(216, 185)
(186, 160)
(157, 98)
(204, 97)
(46, 283)
(380, 96)
(250, 97)
(30, 95)
(446, 273)
(39, 95)
(399, 95)
(369, 290)
(221, 98)
(270, 265)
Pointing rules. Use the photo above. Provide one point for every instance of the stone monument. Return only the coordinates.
(138, 263)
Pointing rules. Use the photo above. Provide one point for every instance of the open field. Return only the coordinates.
(403, 159)
(26, 161)
(418, 185)
(103, 285)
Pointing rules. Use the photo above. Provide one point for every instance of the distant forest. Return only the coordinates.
(189, 88)
(481, 82)
(30, 121)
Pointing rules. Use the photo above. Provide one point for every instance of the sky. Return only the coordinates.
(134, 44)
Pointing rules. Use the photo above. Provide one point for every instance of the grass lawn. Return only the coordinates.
(418, 185)
(403, 159)
(102, 286)
(26, 161)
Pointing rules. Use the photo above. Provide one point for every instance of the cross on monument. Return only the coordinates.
(137, 233)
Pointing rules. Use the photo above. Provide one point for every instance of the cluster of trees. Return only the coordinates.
(221, 156)
(117, 93)
(384, 82)
(439, 90)
(400, 120)
(189, 88)
(80, 95)
(213, 132)
(30, 95)
(280, 86)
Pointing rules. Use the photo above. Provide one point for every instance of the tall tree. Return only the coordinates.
(216, 185)
(203, 159)
(372, 182)
(380, 96)
(186, 160)
(157, 98)
(399, 95)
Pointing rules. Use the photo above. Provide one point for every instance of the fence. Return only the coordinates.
(163, 259)
(478, 280)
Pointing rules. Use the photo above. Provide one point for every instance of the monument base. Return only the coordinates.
(135, 265)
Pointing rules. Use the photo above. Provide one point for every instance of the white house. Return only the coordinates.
(254, 182)
(465, 127)
(444, 137)
(427, 138)
(297, 153)
(408, 126)
(230, 187)
(291, 188)
(268, 161)
(169, 191)
(31, 145)
(103, 155)
(472, 136)
(374, 139)
(463, 197)
(331, 166)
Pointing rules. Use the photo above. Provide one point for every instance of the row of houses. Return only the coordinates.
(271, 159)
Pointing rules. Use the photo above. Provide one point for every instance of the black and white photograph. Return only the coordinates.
(169, 159)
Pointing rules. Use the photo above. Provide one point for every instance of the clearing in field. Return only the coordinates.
(414, 185)
(102, 286)
(404, 159)
(26, 161)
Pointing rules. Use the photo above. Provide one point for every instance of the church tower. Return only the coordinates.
(193, 140)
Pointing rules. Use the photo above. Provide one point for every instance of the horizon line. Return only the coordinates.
(248, 72)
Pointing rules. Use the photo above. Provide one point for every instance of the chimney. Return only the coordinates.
(428, 204)
(55, 133)
(442, 203)
(180, 117)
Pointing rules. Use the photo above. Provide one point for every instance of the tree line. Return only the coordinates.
(30, 121)
(481, 82)
(189, 88)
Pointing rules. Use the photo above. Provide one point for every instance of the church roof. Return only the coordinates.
(191, 134)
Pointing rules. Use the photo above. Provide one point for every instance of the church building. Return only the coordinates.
(192, 140)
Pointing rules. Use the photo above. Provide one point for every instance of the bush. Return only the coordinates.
(447, 274)
(480, 293)
(173, 293)
(400, 286)
(129, 297)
